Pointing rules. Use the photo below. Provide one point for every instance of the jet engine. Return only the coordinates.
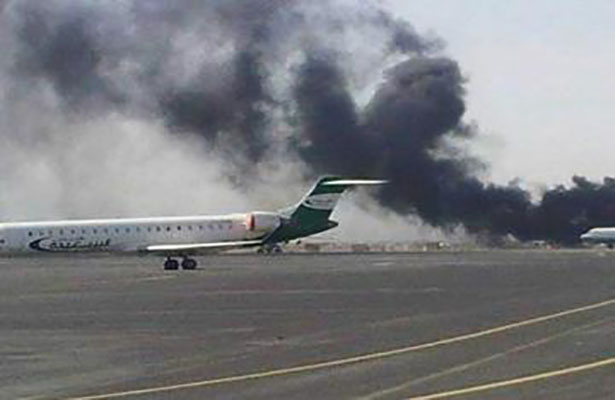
(261, 221)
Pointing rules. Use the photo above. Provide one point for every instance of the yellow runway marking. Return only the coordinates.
(517, 381)
(351, 360)
(482, 361)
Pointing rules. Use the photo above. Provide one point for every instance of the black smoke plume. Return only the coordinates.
(262, 81)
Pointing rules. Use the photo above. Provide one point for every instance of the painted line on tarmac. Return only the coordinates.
(517, 381)
(350, 360)
(464, 367)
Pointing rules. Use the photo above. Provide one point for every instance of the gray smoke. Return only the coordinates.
(180, 106)
(105, 101)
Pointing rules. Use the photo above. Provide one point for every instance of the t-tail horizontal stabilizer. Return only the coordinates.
(312, 213)
(355, 182)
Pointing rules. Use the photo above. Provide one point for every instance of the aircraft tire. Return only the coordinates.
(188, 264)
(171, 264)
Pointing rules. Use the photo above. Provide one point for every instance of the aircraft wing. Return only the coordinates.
(191, 248)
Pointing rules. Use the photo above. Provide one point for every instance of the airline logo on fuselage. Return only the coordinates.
(65, 245)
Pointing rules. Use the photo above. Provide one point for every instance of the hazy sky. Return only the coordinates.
(541, 81)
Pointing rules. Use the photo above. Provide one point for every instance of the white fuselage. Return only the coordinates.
(124, 235)
(182, 237)
(599, 235)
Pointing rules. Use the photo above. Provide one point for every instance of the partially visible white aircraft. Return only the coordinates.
(182, 237)
(600, 235)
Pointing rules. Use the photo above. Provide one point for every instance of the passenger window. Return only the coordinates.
(149, 228)
(94, 231)
(157, 229)
(179, 228)
(127, 230)
(168, 228)
(189, 227)
(200, 227)
(61, 231)
(41, 233)
(30, 233)
(106, 230)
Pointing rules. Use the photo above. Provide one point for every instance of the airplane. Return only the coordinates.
(600, 235)
(182, 237)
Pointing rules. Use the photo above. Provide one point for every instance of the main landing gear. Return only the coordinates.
(172, 264)
(269, 249)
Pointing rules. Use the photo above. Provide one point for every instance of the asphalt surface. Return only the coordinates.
(426, 323)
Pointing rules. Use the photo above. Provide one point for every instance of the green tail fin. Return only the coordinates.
(311, 214)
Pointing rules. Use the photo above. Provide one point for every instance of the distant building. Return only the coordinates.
(360, 248)
(431, 246)
(312, 247)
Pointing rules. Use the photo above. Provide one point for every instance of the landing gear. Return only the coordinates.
(269, 249)
(172, 264)
(188, 263)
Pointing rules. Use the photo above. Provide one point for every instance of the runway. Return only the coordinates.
(467, 325)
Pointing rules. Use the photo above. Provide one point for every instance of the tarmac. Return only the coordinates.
(463, 325)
